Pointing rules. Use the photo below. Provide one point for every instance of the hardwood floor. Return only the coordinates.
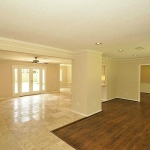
(122, 125)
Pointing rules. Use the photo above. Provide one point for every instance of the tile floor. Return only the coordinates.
(26, 122)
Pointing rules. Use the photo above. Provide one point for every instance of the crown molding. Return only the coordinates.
(85, 52)
(134, 59)
(12, 61)
(31, 48)
(108, 59)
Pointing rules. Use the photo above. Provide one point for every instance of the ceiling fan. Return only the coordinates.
(35, 61)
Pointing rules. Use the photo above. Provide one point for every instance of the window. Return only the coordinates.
(60, 75)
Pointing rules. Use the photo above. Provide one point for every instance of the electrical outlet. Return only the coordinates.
(78, 103)
(55, 87)
(94, 104)
(126, 93)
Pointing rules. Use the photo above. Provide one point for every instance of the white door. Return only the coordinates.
(28, 80)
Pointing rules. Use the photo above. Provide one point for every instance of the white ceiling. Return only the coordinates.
(78, 24)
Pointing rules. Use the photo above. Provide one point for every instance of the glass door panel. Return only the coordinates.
(28, 80)
(36, 80)
(43, 79)
(16, 80)
(25, 80)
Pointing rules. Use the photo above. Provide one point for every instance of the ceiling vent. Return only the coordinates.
(139, 48)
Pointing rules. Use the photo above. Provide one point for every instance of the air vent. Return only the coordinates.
(139, 48)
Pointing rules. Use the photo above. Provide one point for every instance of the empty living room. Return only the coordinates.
(75, 75)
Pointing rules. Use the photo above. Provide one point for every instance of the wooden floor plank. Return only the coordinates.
(122, 125)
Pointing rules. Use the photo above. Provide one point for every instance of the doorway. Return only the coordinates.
(65, 78)
(28, 80)
(144, 81)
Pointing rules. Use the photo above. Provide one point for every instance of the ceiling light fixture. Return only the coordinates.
(134, 55)
(98, 43)
(120, 50)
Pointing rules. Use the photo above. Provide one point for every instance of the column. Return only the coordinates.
(86, 82)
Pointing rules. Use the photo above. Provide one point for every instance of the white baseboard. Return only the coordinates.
(85, 114)
(128, 99)
(104, 99)
(145, 92)
(5, 98)
(94, 113)
(79, 113)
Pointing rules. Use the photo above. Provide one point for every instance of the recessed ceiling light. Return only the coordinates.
(107, 56)
(62, 60)
(121, 50)
(135, 55)
(98, 43)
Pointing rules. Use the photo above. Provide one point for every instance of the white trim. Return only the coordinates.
(31, 48)
(85, 52)
(32, 44)
(79, 113)
(85, 115)
(121, 98)
(111, 99)
(31, 92)
(145, 92)
(128, 99)
(88, 50)
(94, 113)
(65, 65)
(104, 99)
(139, 80)
(5, 98)
(139, 83)
(133, 59)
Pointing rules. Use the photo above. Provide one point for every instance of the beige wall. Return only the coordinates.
(110, 71)
(145, 79)
(53, 77)
(6, 87)
(66, 76)
(128, 78)
(123, 78)
(69, 75)
(5, 80)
